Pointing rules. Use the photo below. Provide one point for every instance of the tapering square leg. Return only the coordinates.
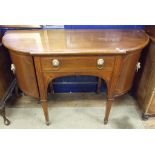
(45, 110)
(108, 108)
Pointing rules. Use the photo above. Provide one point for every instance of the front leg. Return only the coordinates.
(112, 84)
(45, 110)
(108, 108)
(42, 85)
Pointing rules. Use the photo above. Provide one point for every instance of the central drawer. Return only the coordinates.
(77, 63)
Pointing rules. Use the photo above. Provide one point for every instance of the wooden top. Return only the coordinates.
(44, 42)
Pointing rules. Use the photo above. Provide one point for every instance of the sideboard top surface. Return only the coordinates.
(44, 42)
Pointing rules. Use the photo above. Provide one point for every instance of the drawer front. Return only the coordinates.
(77, 63)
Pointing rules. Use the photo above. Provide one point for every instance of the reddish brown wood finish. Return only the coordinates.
(77, 51)
(82, 63)
(127, 72)
(75, 42)
(25, 73)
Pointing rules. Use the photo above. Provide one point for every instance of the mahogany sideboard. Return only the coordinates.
(145, 79)
(39, 56)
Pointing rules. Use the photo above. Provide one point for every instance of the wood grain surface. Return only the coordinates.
(75, 41)
(77, 53)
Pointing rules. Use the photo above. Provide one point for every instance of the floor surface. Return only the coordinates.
(75, 111)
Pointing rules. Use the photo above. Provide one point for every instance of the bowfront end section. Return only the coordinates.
(23, 68)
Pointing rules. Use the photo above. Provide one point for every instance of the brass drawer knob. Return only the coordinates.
(55, 63)
(100, 63)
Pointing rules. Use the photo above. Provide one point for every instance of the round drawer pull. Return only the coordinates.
(55, 63)
(100, 63)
